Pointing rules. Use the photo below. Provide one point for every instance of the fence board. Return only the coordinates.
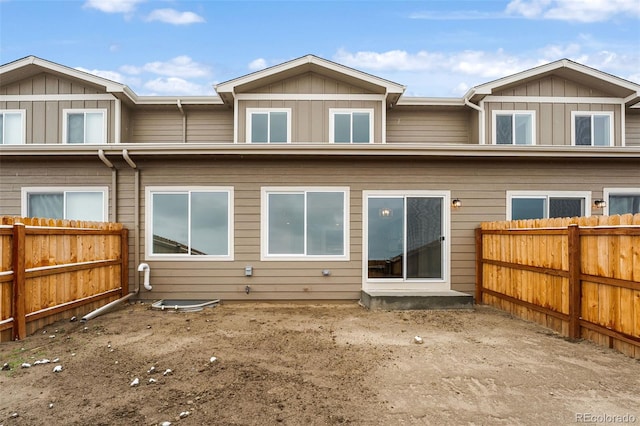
(60, 267)
(527, 270)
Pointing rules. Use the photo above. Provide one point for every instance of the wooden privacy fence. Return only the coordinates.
(51, 269)
(578, 276)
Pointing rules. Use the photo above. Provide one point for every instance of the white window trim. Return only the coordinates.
(513, 113)
(414, 284)
(149, 255)
(65, 122)
(264, 223)
(549, 194)
(334, 111)
(26, 190)
(591, 114)
(249, 119)
(607, 192)
(23, 127)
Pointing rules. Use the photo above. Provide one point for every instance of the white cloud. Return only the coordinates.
(172, 16)
(176, 86)
(574, 10)
(109, 75)
(182, 65)
(258, 64)
(113, 6)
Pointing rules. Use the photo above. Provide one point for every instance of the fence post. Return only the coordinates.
(575, 285)
(18, 311)
(124, 257)
(479, 266)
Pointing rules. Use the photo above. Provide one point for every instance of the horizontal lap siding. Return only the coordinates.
(428, 126)
(481, 185)
(633, 128)
(166, 125)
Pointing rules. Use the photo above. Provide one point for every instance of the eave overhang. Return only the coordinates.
(228, 89)
(176, 151)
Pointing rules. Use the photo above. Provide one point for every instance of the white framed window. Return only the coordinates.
(89, 203)
(547, 204)
(269, 125)
(12, 126)
(305, 223)
(189, 223)
(622, 200)
(84, 126)
(592, 128)
(347, 125)
(514, 127)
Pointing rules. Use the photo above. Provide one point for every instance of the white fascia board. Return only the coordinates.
(324, 149)
(230, 85)
(184, 100)
(425, 101)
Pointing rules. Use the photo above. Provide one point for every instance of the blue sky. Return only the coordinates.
(434, 47)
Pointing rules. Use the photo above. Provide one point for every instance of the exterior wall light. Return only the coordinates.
(456, 203)
(385, 212)
(600, 204)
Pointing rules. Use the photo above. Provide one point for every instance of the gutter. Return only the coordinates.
(136, 213)
(114, 184)
(321, 149)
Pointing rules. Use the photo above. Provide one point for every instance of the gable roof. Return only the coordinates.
(309, 63)
(566, 68)
(32, 65)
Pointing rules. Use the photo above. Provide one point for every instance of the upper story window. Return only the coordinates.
(591, 128)
(189, 223)
(622, 200)
(73, 203)
(543, 205)
(514, 127)
(11, 126)
(269, 125)
(305, 223)
(85, 126)
(350, 125)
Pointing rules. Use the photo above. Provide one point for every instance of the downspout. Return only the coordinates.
(136, 213)
(184, 122)
(114, 183)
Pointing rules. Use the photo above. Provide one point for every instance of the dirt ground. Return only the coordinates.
(312, 365)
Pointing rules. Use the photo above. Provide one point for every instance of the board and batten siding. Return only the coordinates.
(309, 82)
(551, 86)
(553, 120)
(310, 119)
(411, 125)
(44, 119)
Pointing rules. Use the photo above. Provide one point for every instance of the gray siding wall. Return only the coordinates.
(632, 126)
(310, 119)
(165, 125)
(552, 86)
(44, 119)
(310, 82)
(480, 184)
(429, 125)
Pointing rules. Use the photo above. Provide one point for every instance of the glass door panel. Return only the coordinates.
(424, 237)
(386, 237)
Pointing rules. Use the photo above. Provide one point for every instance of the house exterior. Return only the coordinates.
(310, 180)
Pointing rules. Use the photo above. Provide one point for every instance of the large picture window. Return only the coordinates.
(194, 223)
(592, 128)
(85, 126)
(543, 205)
(350, 125)
(11, 127)
(514, 127)
(77, 203)
(305, 223)
(268, 125)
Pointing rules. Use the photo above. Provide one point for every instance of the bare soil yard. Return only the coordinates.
(312, 365)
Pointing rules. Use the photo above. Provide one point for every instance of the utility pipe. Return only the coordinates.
(144, 267)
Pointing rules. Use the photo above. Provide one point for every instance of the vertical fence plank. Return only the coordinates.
(575, 298)
(19, 314)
